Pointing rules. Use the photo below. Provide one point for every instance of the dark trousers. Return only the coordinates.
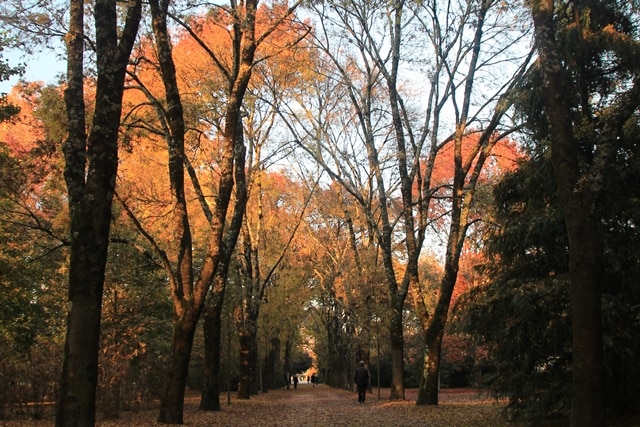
(362, 392)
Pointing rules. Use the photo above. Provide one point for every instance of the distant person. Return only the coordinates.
(361, 379)
(295, 381)
(313, 379)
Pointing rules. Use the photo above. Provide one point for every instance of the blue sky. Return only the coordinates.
(40, 67)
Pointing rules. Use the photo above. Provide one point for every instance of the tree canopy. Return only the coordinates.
(231, 194)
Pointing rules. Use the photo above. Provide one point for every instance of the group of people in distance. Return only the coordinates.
(361, 379)
(295, 379)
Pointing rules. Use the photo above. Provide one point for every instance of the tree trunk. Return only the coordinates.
(172, 402)
(210, 397)
(429, 389)
(76, 406)
(428, 392)
(585, 256)
(585, 267)
(397, 353)
(90, 188)
(187, 298)
(244, 388)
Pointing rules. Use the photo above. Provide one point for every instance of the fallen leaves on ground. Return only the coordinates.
(325, 406)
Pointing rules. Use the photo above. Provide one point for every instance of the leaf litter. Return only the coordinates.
(324, 406)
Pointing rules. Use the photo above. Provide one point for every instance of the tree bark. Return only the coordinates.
(90, 171)
(434, 326)
(210, 397)
(585, 255)
(172, 402)
(246, 377)
(396, 332)
(188, 298)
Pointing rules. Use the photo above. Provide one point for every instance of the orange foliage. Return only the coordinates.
(503, 158)
(198, 73)
(468, 277)
(204, 86)
(23, 132)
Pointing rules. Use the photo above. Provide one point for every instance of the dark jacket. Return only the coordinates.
(362, 376)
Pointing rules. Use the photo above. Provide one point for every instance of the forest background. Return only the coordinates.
(218, 195)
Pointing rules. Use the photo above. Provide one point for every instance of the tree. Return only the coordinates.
(260, 257)
(584, 141)
(525, 288)
(231, 70)
(380, 141)
(188, 293)
(90, 171)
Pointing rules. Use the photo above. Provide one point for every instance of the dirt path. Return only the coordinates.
(326, 407)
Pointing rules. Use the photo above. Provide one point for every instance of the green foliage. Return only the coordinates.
(7, 110)
(136, 325)
(51, 112)
(522, 313)
(31, 319)
(301, 362)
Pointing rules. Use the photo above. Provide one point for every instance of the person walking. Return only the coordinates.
(361, 379)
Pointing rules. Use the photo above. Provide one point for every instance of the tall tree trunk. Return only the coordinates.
(248, 354)
(244, 388)
(429, 388)
(396, 332)
(464, 184)
(90, 171)
(188, 298)
(172, 402)
(434, 326)
(585, 255)
(210, 397)
(429, 380)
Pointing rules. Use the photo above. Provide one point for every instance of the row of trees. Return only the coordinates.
(394, 120)
(136, 315)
